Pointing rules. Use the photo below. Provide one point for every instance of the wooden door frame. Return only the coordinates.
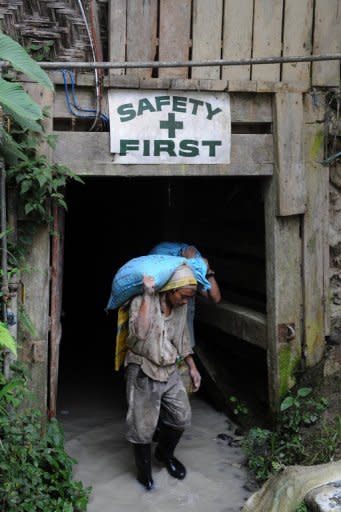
(57, 263)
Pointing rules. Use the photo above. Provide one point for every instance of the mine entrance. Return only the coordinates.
(111, 220)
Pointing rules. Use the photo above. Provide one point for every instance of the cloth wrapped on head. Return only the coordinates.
(182, 277)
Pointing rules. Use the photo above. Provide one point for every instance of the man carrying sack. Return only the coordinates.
(158, 335)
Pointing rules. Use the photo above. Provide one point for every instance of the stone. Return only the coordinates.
(326, 498)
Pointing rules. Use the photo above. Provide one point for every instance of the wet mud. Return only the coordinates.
(95, 436)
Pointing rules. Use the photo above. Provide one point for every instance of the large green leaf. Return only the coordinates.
(19, 105)
(11, 51)
(6, 340)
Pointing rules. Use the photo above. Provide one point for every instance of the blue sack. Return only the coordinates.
(128, 281)
(171, 249)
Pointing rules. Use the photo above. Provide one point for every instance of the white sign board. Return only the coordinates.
(155, 127)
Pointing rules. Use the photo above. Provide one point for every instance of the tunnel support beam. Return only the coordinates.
(37, 283)
(284, 297)
(285, 203)
(315, 233)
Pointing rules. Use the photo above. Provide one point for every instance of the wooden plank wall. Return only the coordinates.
(230, 29)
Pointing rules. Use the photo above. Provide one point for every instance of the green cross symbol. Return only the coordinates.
(171, 125)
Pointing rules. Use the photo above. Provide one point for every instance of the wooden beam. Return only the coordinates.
(297, 42)
(36, 285)
(288, 136)
(237, 43)
(284, 297)
(141, 34)
(200, 84)
(87, 153)
(238, 321)
(117, 36)
(37, 282)
(327, 39)
(245, 107)
(315, 243)
(267, 40)
(174, 37)
(206, 38)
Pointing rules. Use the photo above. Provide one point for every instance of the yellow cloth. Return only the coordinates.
(183, 276)
(121, 336)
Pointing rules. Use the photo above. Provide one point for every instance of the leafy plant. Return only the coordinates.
(15, 101)
(268, 451)
(6, 339)
(35, 471)
(39, 180)
(238, 407)
(302, 507)
(40, 51)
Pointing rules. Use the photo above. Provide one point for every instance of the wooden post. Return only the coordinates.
(315, 241)
(283, 247)
(56, 305)
(284, 200)
(288, 144)
(37, 282)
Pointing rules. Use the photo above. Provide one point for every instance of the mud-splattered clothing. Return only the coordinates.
(154, 387)
(166, 339)
(149, 399)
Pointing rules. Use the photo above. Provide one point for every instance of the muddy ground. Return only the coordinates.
(93, 419)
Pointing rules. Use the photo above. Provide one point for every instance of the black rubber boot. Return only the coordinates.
(168, 439)
(143, 460)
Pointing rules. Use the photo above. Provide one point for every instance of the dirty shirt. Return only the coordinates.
(167, 339)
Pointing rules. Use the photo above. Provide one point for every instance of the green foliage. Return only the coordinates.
(39, 181)
(302, 507)
(6, 339)
(238, 407)
(16, 103)
(13, 52)
(35, 471)
(20, 106)
(40, 52)
(268, 451)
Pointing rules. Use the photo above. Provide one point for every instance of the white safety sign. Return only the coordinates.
(155, 127)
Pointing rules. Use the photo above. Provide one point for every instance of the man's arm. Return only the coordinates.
(143, 318)
(194, 373)
(214, 292)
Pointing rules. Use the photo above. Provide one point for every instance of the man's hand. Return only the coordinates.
(193, 371)
(148, 285)
(196, 378)
(189, 252)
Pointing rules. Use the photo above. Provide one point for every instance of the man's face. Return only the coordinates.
(181, 296)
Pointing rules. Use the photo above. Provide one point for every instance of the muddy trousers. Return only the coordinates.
(149, 399)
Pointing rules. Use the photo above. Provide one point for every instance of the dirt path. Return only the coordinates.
(94, 428)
